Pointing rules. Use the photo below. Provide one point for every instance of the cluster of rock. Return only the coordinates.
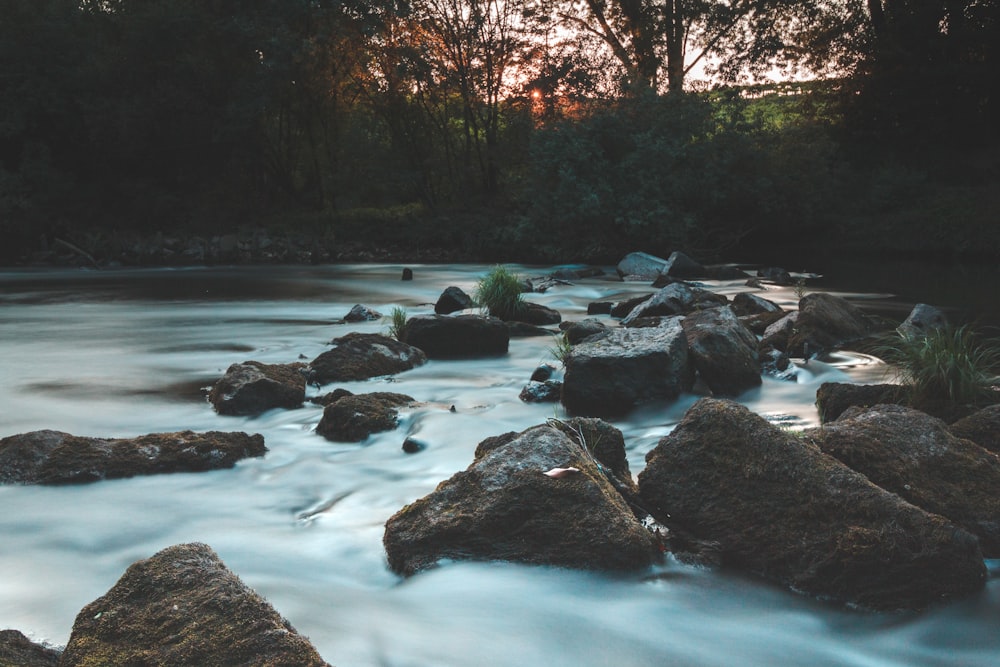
(884, 508)
(182, 606)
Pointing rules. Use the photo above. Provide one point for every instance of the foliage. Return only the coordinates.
(397, 324)
(953, 365)
(561, 349)
(499, 292)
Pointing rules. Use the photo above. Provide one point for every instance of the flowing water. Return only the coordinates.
(127, 352)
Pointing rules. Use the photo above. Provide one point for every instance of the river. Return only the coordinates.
(125, 352)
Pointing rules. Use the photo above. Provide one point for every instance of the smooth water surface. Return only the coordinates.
(128, 352)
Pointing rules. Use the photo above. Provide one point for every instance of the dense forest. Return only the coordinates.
(554, 130)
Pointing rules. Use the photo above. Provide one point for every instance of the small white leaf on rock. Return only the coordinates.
(556, 473)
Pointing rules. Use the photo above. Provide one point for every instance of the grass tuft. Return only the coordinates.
(397, 324)
(499, 292)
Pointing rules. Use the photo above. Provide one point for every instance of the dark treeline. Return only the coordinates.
(503, 129)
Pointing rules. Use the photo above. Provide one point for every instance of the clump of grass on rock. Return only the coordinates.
(499, 292)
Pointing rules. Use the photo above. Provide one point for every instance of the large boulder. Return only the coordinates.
(834, 398)
(981, 427)
(825, 322)
(53, 457)
(183, 606)
(779, 507)
(682, 267)
(675, 299)
(353, 418)
(16, 650)
(443, 337)
(359, 356)
(611, 374)
(640, 266)
(251, 388)
(915, 456)
(452, 299)
(724, 351)
(536, 497)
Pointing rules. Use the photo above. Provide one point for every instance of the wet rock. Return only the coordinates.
(725, 272)
(443, 337)
(915, 456)
(330, 397)
(748, 303)
(452, 300)
(756, 283)
(183, 606)
(776, 335)
(543, 372)
(834, 398)
(922, 320)
(982, 428)
(54, 457)
(407, 274)
(525, 330)
(548, 391)
(413, 446)
(250, 388)
(16, 650)
(776, 364)
(610, 375)
(361, 313)
(641, 266)
(775, 274)
(537, 314)
(358, 356)
(606, 443)
(505, 507)
(778, 507)
(354, 418)
(724, 351)
(675, 299)
(567, 273)
(578, 331)
(759, 323)
(683, 267)
(825, 322)
(621, 309)
(599, 307)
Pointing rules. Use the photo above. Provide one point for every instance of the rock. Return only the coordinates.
(759, 323)
(600, 308)
(675, 299)
(776, 335)
(681, 266)
(606, 443)
(834, 398)
(16, 650)
(825, 322)
(578, 331)
(915, 456)
(922, 320)
(774, 274)
(443, 337)
(452, 300)
(184, 607)
(725, 272)
(542, 285)
(358, 356)
(361, 313)
(724, 351)
(748, 303)
(537, 314)
(641, 266)
(621, 309)
(567, 273)
(330, 397)
(542, 372)
(776, 364)
(505, 507)
(53, 457)
(407, 274)
(251, 388)
(778, 507)
(413, 446)
(548, 391)
(610, 375)
(524, 330)
(982, 428)
(354, 418)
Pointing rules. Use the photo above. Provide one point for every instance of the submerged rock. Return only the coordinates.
(16, 650)
(444, 337)
(535, 497)
(183, 606)
(250, 388)
(611, 374)
(358, 356)
(723, 350)
(779, 507)
(53, 457)
(353, 418)
(915, 456)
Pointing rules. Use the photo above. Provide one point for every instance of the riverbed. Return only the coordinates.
(124, 352)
